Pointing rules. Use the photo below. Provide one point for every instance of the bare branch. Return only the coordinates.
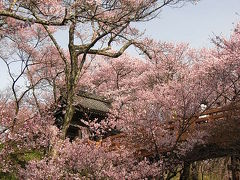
(33, 20)
(111, 54)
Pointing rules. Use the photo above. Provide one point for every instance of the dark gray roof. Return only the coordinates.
(92, 102)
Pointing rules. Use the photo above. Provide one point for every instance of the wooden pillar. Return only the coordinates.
(194, 171)
(235, 167)
(186, 171)
(85, 132)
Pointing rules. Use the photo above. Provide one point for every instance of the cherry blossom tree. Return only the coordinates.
(97, 25)
(168, 91)
(156, 98)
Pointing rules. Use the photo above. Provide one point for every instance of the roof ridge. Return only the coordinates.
(90, 95)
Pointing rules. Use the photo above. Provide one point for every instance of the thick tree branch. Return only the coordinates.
(33, 20)
(56, 45)
(111, 54)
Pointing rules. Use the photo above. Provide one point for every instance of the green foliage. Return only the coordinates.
(7, 176)
(21, 158)
(1, 146)
(32, 155)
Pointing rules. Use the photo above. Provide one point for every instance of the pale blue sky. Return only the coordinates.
(193, 24)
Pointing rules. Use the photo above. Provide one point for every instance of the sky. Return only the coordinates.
(195, 24)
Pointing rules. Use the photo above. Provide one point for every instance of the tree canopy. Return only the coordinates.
(155, 99)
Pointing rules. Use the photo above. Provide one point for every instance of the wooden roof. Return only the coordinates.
(86, 101)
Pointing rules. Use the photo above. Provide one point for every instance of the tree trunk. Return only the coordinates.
(71, 80)
(69, 113)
